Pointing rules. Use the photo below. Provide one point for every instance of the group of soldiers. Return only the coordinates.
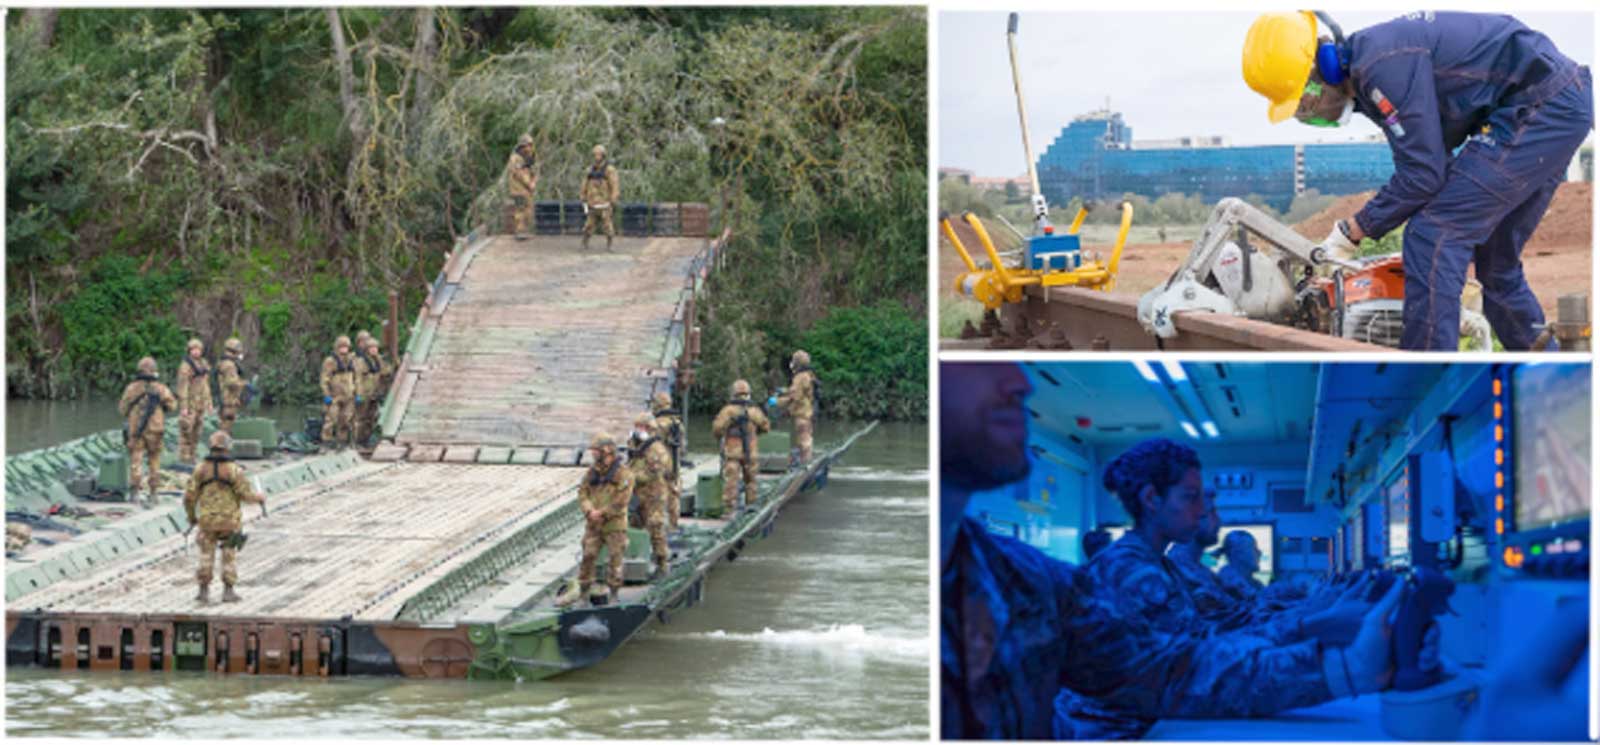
(354, 381)
(600, 191)
(652, 473)
(146, 402)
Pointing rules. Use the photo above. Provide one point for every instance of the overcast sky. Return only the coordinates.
(1169, 74)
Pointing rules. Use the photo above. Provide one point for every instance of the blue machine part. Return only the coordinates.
(1053, 253)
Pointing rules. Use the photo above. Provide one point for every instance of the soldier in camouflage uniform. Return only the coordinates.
(145, 404)
(599, 192)
(372, 370)
(1210, 600)
(737, 426)
(18, 536)
(670, 429)
(231, 384)
(520, 181)
(799, 402)
(652, 466)
(603, 495)
(338, 395)
(194, 399)
(211, 501)
(1238, 576)
(1016, 625)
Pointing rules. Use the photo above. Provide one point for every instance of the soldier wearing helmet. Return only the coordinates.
(144, 405)
(652, 466)
(669, 427)
(600, 192)
(520, 181)
(603, 495)
(372, 374)
(799, 402)
(1474, 166)
(338, 395)
(194, 398)
(231, 384)
(737, 426)
(211, 501)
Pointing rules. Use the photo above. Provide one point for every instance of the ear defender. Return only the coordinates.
(1332, 56)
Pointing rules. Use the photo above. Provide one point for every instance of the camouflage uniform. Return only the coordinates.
(211, 501)
(18, 536)
(600, 192)
(670, 428)
(652, 465)
(194, 399)
(338, 394)
(231, 384)
(1016, 625)
(1211, 600)
(740, 456)
(145, 446)
(1240, 584)
(520, 180)
(799, 402)
(371, 371)
(606, 489)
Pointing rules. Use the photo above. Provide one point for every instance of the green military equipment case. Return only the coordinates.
(774, 455)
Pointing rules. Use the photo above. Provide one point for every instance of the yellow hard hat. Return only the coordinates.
(1279, 50)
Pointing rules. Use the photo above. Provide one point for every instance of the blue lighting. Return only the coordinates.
(1211, 428)
(1174, 370)
(1189, 428)
(1145, 370)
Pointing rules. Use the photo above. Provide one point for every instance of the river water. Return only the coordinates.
(819, 631)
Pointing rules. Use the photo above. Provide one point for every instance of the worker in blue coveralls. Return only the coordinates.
(1483, 115)
(1016, 626)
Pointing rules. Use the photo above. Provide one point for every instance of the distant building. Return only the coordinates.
(999, 183)
(1096, 157)
(958, 174)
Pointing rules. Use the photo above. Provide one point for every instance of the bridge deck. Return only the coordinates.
(356, 544)
(540, 343)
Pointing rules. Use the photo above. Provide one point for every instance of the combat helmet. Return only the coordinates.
(646, 420)
(362, 336)
(602, 441)
(661, 401)
(341, 341)
(147, 366)
(800, 358)
(233, 345)
(195, 344)
(220, 440)
(599, 151)
(741, 389)
(525, 139)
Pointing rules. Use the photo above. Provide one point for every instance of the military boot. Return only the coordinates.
(228, 595)
(204, 596)
(598, 601)
(586, 241)
(660, 569)
(570, 595)
(608, 243)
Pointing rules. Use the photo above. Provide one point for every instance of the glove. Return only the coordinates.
(327, 400)
(358, 399)
(1367, 664)
(772, 402)
(1338, 245)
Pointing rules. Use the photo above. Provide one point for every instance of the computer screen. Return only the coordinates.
(1264, 535)
(1356, 548)
(1399, 514)
(1550, 433)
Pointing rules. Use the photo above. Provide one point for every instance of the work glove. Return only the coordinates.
(358, 399)
(772, 402)
(1368, 663)
(1337, 246)
(327, 400)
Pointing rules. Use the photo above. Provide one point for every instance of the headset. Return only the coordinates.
(1333, 58)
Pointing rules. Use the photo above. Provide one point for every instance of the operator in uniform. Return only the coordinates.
(520, 181)
(799, 402)
(1514, 105)
(737, 426)
(603, 495)
(211, 501)
(1016, 626)
(194, 399)
(231, 384)
(669, 427)
(599, 192)
(371, 374)
(144, 405)
(338, 394)
(1244, 560)
(652, 465)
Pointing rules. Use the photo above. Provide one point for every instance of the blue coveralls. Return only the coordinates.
(1432, 81)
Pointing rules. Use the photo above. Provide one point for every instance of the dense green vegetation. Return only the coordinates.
(274, 174)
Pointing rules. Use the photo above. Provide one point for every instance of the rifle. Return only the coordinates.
(151, 400)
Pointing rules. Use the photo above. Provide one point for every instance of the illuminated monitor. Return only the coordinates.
(1376, 532)
(1550, 439)
(1356, 548)
(1398, 500)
